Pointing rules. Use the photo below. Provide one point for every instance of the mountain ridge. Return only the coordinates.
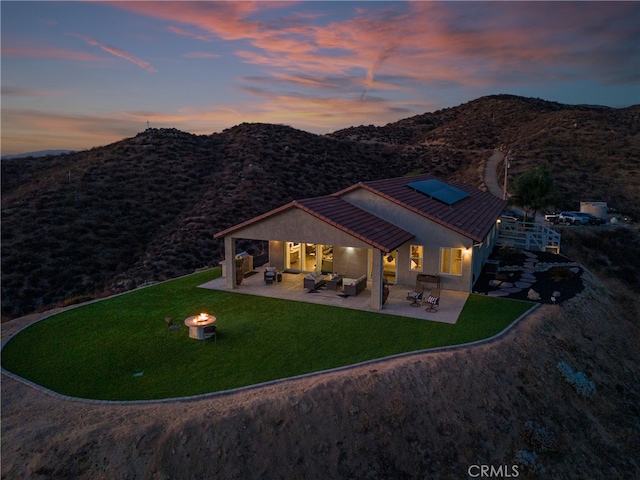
(145, 208)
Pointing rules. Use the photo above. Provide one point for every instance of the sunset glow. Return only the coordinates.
(77, 75)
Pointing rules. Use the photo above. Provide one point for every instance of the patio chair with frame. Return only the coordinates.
(211, 331)
(432, 301)
(416, 295)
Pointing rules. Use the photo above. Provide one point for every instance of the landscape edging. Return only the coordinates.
(263, 384)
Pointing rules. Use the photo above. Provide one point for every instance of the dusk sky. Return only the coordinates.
(81, 74)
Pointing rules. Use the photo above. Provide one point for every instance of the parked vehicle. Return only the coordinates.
(512, 215)
(551, 218)
(568, 218)
(591, 218)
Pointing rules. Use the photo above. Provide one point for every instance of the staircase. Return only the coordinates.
(528, 236)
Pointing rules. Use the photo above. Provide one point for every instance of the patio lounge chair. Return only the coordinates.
(433, 300)
(270, 275)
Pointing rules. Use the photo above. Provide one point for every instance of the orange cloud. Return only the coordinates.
(59, 131)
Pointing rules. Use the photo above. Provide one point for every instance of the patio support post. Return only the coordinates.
(376, 280)
(230, 261)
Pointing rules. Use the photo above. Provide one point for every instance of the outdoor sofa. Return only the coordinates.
(314, 280)
(353, 286)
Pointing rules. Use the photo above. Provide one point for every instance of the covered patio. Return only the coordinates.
(291, 288)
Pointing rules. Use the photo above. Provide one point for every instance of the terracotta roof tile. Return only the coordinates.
(343, 215)
(472, 216)
(356, 222)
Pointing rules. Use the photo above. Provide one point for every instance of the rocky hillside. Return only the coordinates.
(144, 209)
(593, 152)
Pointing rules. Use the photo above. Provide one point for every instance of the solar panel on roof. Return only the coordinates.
(439, 190)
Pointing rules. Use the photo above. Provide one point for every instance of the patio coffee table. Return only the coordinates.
(334, 283)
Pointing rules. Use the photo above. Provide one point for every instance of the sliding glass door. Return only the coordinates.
(308, 257)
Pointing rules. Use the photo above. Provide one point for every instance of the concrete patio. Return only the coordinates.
(291, 288)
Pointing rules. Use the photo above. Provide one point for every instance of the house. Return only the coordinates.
(389, 230)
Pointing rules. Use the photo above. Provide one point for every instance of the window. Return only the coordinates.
(451, 261)
(416, 256)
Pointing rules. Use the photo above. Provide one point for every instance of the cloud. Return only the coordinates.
(477, 44)
(116, 52)
(186, 33)
(13, 91)
(46, 52)
(349, 63)
(372, 52)
(61, 131)
(201, 55)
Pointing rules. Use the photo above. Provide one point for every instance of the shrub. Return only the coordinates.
(528, 461)
(541, 438)
(577, 380)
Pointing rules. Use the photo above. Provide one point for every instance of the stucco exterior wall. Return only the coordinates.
(351, 262)
(351, 255)
(294, 225)
(276, 254)
(431, 235)
(481, 253)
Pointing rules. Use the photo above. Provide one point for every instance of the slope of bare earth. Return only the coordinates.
(430, 415)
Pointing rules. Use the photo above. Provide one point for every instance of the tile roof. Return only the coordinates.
(343, 215)
(473, 216)
(356, 222)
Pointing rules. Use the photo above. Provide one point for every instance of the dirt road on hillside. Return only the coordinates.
(491, 176)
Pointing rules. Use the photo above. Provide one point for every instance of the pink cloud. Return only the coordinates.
(470, 43)
(186, 33)
(117, 52)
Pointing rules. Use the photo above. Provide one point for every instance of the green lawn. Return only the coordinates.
(94, 351)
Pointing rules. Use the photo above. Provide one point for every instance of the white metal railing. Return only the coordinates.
(528, 236)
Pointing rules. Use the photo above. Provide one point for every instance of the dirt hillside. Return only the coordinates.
(431, 415)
